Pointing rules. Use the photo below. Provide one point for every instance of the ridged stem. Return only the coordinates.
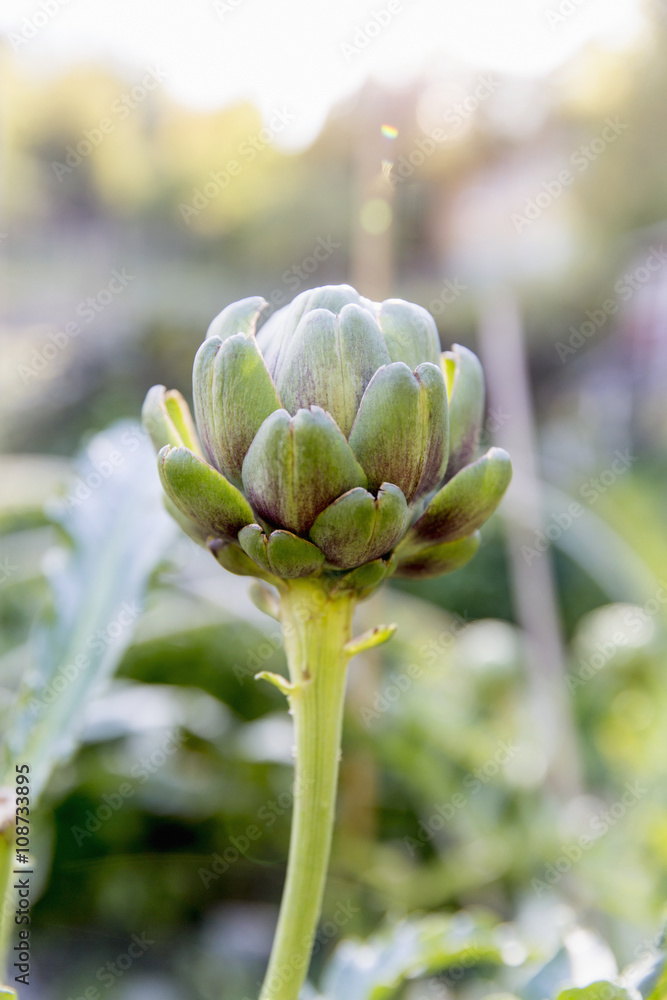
(316, 627)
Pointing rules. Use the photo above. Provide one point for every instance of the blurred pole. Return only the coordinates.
(504, 358)
(372, 274)
(371, 252)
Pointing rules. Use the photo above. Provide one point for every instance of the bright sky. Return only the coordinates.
(304, 55)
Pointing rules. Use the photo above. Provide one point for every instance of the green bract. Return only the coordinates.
(335, 441)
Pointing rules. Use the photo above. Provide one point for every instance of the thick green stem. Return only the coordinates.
(316, 627)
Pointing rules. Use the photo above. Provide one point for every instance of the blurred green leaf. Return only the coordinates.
(26, 483)
(583, 955)
(376, 968)
(600, 990)
(647, 975)
(118, 532)
(550, 978)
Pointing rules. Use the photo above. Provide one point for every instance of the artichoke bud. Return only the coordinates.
(329, 362)
(466, 501)
(167, 419)
(364, 579)
(400, 432)
(239, 317)
(410, 333)
(232, 557)
(201, 493)
(233, 395)
(191, 528)
(324, 434)
(358, 527)
(465, 392)
(275, 336)
(296, 466)
(434, 560)
(280, 552)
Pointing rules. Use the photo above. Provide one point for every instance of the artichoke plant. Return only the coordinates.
(336, 439)
(332, 448)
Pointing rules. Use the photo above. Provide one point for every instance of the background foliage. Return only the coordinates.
(521, 804)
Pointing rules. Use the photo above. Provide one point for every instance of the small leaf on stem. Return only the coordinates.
(368, 640)
(264, 599)
(277, 680)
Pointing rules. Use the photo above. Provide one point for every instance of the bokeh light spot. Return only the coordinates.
(376, 216)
